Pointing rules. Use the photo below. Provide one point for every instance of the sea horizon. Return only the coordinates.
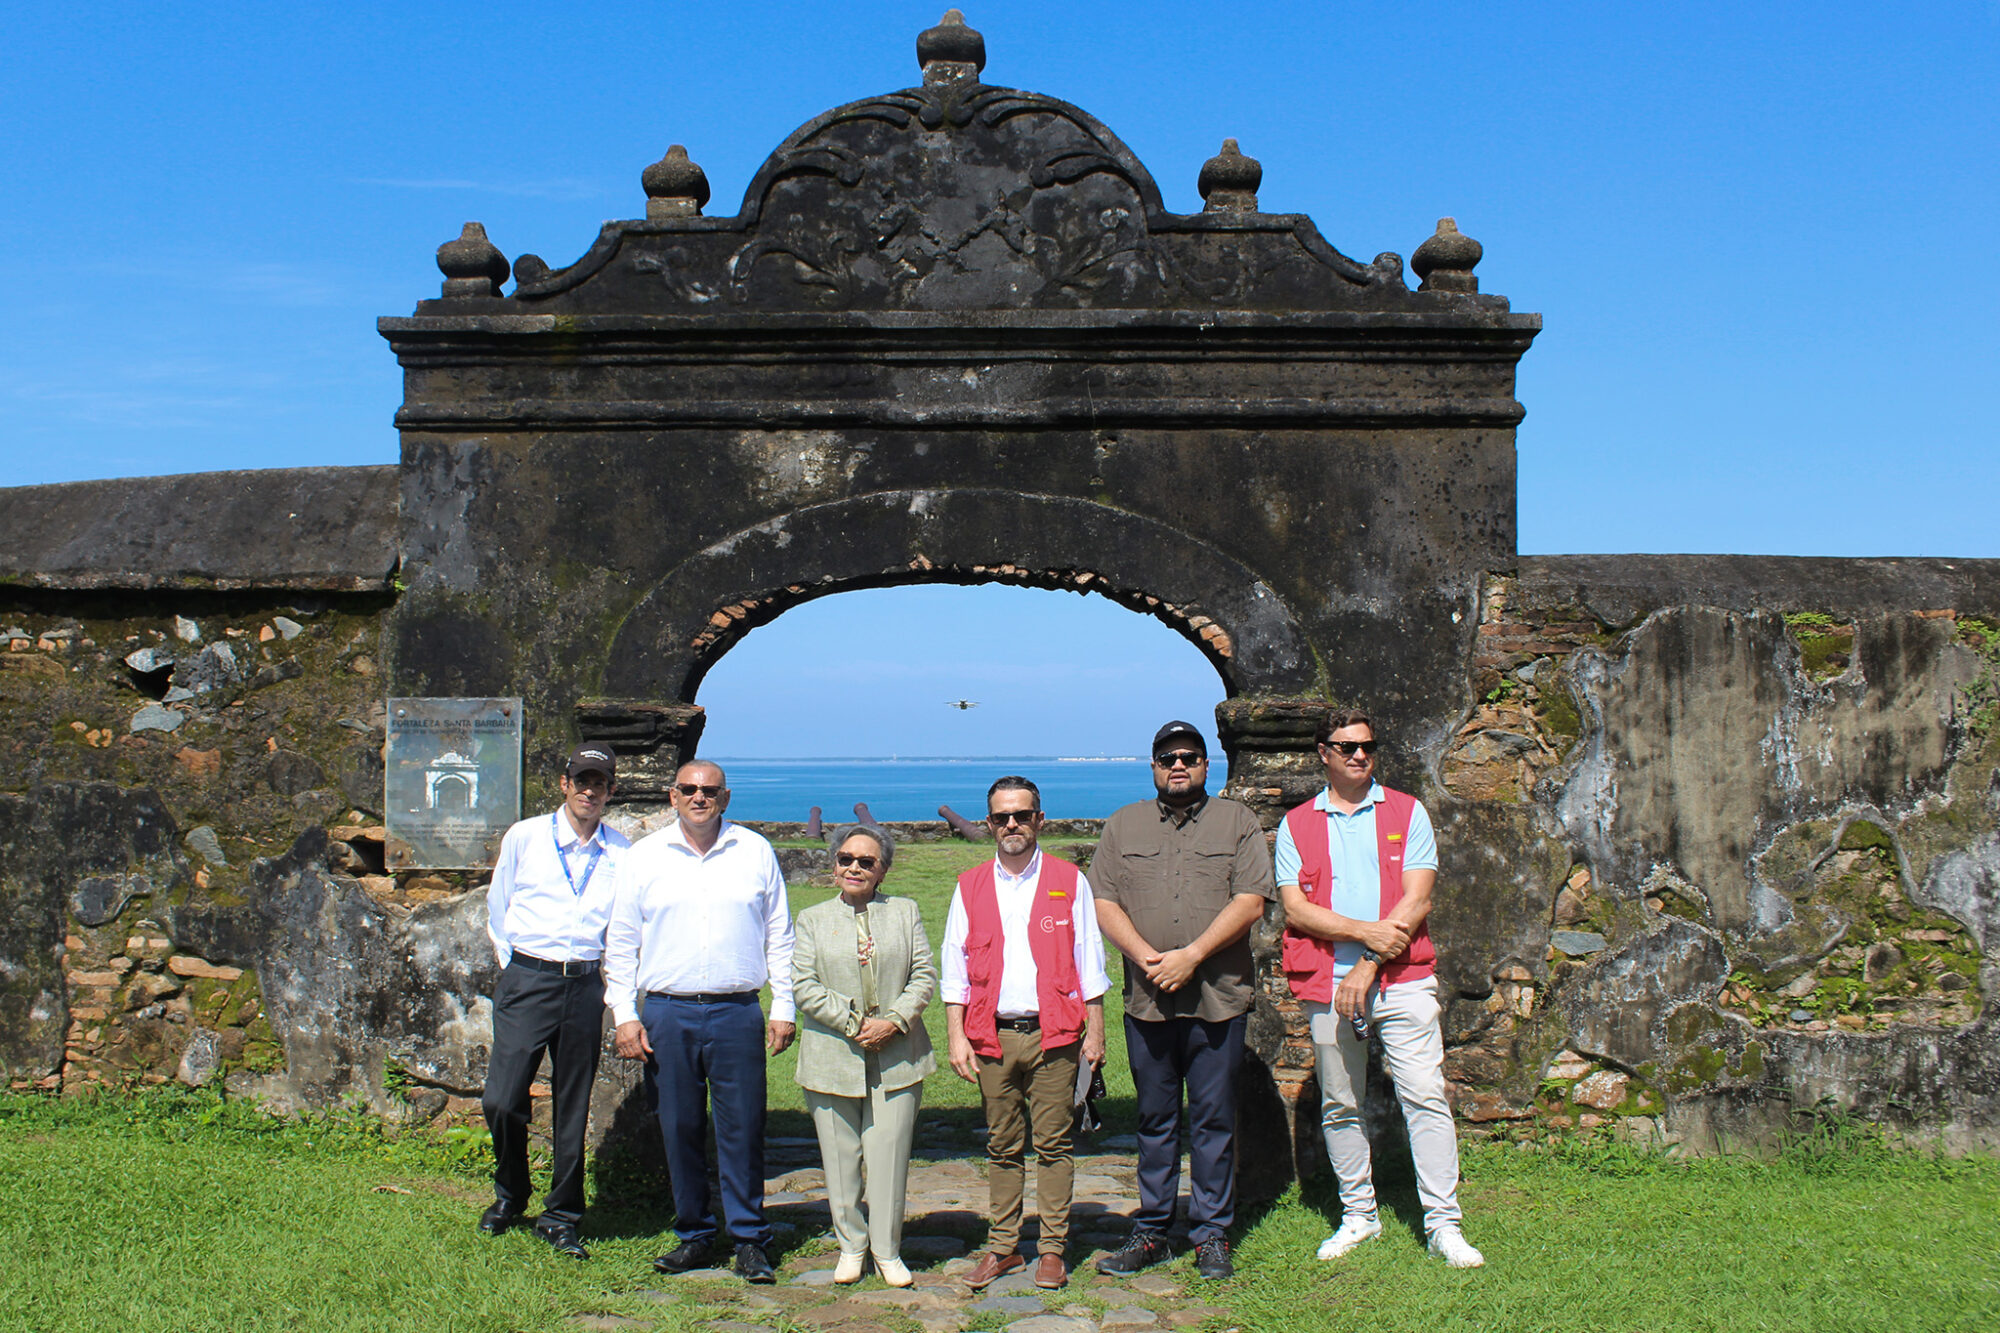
(912, 787)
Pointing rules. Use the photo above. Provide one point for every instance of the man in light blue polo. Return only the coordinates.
(1356, 867)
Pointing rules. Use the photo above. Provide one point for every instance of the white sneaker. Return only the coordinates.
(893, 1272)
(849, 1268)
(1449, 1244)
(1354, 1229)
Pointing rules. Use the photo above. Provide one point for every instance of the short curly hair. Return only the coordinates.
(874, 832)
(1340, 718)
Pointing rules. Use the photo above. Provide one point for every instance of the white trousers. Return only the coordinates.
(1406, 1018)
(868, 1136)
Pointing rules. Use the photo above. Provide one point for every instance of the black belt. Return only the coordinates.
(704, 997)
(582, 967)
(1032, 1023)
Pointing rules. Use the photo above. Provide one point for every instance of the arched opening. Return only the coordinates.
(909, 697)
(703, 607)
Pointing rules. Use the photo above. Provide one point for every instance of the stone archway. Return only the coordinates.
(680, 628)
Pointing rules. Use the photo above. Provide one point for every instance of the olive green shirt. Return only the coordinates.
(1173, 876)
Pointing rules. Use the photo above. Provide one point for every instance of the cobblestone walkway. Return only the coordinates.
(946, 1222)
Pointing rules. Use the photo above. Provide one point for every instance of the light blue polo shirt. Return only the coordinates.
(1357, 864)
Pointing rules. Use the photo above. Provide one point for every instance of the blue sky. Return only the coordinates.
(1758, 234)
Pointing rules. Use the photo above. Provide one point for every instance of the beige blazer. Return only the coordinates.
(826, 985)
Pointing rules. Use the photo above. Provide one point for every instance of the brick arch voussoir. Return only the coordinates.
(705, 605)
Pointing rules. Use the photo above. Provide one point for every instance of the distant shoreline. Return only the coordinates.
(928, 759)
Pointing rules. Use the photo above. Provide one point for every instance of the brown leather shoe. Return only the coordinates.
(991, 1267)
(1050, 1272)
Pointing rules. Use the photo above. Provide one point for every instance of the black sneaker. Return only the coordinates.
(1211, 1259)
(561, 1236)
(753, 1265)
(497, 1219)
(1142, 1249)
(685, 1257)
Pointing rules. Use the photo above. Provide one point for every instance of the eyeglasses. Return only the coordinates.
(1349, 748)
(690, 788)
(846, 859)
(1179, 759)
(1025, 818)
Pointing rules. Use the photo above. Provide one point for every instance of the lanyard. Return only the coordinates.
(596, 851)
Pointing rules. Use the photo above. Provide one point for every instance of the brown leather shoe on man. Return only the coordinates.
(992, 1267)
(1050, 1272)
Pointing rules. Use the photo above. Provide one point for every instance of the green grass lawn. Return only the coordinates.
(173, 1211)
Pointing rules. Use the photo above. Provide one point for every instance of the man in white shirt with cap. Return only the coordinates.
(547, 908)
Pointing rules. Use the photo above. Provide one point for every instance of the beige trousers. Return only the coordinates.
(866, 1138)
(1029, 1088)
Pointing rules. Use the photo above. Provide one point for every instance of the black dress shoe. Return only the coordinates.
(497, 1219)
(685, 1257)
(753, 1265)
(561, 1236)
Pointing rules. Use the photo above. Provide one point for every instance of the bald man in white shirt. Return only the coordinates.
(699, 925)
(547, 909)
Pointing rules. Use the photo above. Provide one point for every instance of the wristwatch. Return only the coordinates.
(1368, 955)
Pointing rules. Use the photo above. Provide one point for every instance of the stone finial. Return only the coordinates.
(529, 268)
(1229, 181)
(1446, 260)
(472, 265)
(675, 187)
(951, 51)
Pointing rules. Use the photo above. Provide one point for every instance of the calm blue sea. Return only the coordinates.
(914, 788)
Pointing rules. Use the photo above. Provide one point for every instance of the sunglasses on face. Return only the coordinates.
(1025, 818)
(846, 859)
(690, 788)
(1349, 748)
(1179, 759)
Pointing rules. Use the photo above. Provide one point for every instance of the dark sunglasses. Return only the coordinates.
(1349, 747)
(1025, 818)
(690, 788)
(1182, 758)
(846, 859)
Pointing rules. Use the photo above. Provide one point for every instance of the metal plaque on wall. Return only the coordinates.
(453, 785)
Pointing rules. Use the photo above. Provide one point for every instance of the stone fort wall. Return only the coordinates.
(1719, 832)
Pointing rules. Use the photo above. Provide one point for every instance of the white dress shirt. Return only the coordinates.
(1015, 895)
(532, 906)
(692, 924)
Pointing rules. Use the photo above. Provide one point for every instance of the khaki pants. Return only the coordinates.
(867, 1136)
(1026, 1089)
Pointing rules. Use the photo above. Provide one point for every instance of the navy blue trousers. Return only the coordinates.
(710, 1055)
(1204, 1058)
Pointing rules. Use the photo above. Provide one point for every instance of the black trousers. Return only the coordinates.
(535, 1012)
(1204, 1058)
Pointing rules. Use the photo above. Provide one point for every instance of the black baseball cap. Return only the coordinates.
(1176, 730)
(593, 757)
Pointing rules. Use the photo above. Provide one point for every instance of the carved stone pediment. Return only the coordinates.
(952, 196)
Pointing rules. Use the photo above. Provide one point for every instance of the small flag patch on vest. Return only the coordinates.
(1057, 893)
(1395, 837)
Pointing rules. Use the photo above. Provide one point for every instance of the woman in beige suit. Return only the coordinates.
(862, 973)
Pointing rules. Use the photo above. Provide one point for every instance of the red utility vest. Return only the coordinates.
(1052, 941)
(1307, 959)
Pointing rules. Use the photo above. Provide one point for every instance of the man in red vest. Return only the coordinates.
(1023, 984)
(1356, 866)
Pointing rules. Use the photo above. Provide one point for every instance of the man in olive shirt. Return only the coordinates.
(1180, 880)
